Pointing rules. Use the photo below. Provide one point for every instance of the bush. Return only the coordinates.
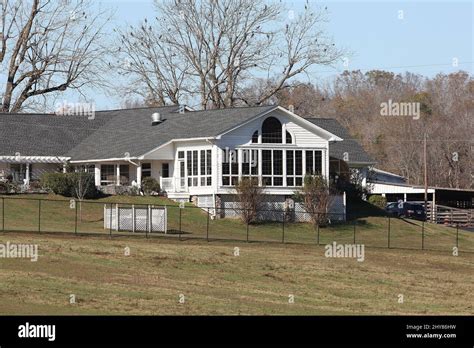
(68, 184)
(58, 183)
(150, 185)
(315, 197)
(35, 185)
(250, 199)
(4, 188)
(378, 201)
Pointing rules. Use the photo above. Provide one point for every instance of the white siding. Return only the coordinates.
(302, 136)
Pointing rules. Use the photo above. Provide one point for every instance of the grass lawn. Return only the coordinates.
(373, 231)
(214, 281)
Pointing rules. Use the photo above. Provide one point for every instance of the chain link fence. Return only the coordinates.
(187, 222)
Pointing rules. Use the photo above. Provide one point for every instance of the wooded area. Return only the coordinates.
(396, 142)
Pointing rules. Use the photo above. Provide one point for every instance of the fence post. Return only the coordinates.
(317, 225)
(423, 235)
(75, 218)
(388, 232)
(3, 214)
(207, 227)
(110, 227)
(179, 235)
(283, 232)
(457, 236)
(39, 215)
(355, 231)
(247, 228)
(149, 227)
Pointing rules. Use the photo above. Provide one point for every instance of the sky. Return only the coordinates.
(424, 37)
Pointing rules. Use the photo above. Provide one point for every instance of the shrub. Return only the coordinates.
(315, 197)
(150, 185)
(79, 185)
(57, 183)
(249, 198)
(4, 188)
(35, 185)
(378, 201)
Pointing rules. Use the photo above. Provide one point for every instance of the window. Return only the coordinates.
(272, 167)
(314, 162)
(271, 131)
(88, 168)
(107, 174)
(249, 160)
(198, 167)
(192, 167)
(294, 168)
(230, 168)
(181, 154)
(205, 168)
(255, 137)
(309, 162)
(146, 170)
(289, 138)
(124, 174)
(165, 170)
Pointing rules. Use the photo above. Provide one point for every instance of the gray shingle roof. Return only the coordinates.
(130, 131)
(356, 153)
(113, 133)
(44, 134)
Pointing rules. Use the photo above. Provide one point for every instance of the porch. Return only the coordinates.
(21, 170)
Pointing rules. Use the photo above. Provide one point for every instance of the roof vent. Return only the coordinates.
(156, 118)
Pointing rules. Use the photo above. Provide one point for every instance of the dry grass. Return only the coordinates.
(214, 281)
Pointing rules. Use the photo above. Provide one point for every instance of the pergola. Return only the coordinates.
(19, 159)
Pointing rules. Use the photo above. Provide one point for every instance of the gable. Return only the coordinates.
(303, 132)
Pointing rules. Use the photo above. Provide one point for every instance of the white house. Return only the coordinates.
(195, 155)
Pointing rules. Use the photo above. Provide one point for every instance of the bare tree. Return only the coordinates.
(83, 186)
(315, 197)
(250, 199)
(47, 47)
(214, 49)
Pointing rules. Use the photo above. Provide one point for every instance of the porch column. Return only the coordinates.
(139, 175)
(404, 197)
(118, 174)
(27, 174)
(97, 174)
(64, 168)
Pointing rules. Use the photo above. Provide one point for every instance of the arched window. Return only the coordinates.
(271, 131)
(255, 137)
(289, 138)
